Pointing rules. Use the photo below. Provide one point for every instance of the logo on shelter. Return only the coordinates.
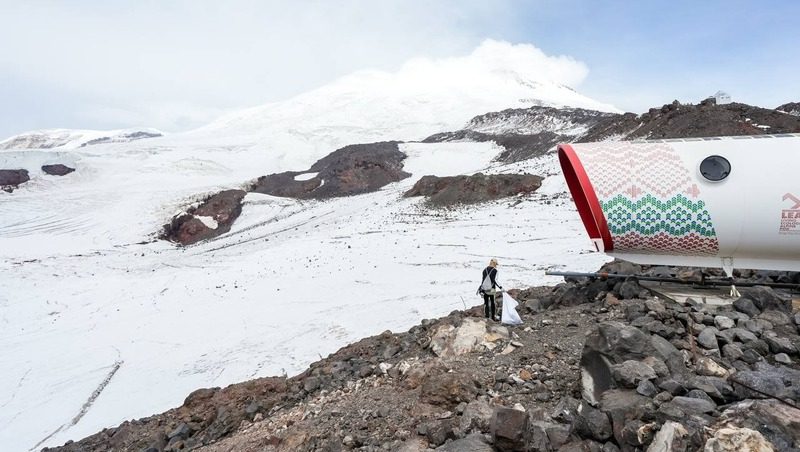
(790, 218)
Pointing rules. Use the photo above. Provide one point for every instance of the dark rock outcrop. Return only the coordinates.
(12, 178)
(57, 169)
(221, 208)
(448, 191)
(351, 170)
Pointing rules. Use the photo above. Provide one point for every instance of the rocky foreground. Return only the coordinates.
(598, 365)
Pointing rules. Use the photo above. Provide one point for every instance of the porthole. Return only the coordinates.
(715, 168)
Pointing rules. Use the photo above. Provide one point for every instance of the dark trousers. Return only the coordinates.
(488, 305)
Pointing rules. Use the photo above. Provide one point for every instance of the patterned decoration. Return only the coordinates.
(650, 201)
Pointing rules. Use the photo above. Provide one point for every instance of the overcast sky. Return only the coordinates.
(175, 65)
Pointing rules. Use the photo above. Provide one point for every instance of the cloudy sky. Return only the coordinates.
(175, 65)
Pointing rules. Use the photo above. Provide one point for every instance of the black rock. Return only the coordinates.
(592, 423)
(746, 306)
(57, 169)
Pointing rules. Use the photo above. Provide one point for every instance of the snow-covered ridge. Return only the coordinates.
(563, 121)
(74, 138)
(423, 97)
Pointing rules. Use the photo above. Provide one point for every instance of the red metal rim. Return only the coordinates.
(584, 196)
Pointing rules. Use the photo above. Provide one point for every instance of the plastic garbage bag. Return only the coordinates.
(510, 316)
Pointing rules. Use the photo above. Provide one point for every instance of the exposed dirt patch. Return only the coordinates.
(57, 169)
(351, 170)
(448, 191)
(213, 217)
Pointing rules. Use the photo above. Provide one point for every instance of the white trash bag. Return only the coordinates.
(510, 316)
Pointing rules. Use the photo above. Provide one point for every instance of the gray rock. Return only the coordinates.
(592, 423)
(698, 394)
(658, 365)
(779, 344)
(630, 289)
(743, 335)
(471, 443)
(754, 384)
(717, 388)
(765, 298)
(775, 317)
(797, 318)
(610, 447)
(657, 327)
(509, 429)
(732, 351)
(756, 326)
(311, 384)
(759, 346)
(647, 388)
(751, 356)
(747, 306)
(439, 432)
(182, 431)
(783, 358)
(477, 416)
(723, 323)
(622, 406)
(631, 372)
(672, 437)
(673, 387)
(691, 405)
(708, 338)
(734, 315)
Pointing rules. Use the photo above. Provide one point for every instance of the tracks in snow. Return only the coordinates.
(86, 405)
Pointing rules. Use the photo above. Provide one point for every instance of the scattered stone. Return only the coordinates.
(723, 323)
(693, 405)
(672, 437)
(746, 306)
(471, 443)
(783, 358)
(509, 428)
(592, 423)
(647, 388)
(709, 367)
(738, 440)
(732, 351)
(631, 372)
(708, 338)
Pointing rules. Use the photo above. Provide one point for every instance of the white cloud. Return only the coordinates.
(118, 60)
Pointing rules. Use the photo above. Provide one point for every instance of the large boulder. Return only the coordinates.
(510, 429)
(765, 298)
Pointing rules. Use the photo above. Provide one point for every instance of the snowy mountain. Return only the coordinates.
(101, 322)
(72, 138)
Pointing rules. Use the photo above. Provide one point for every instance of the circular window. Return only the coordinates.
(715, 168)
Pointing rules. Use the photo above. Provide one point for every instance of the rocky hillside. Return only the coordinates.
(598, 365)
(526, 133)
(793, 108)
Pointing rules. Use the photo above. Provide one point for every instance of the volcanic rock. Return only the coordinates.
(213, 217)
(57, 169)
(448, 191)
(351, 170)
(12, 178)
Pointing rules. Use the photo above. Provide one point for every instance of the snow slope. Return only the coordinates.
(99, 324)
(62, 139)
